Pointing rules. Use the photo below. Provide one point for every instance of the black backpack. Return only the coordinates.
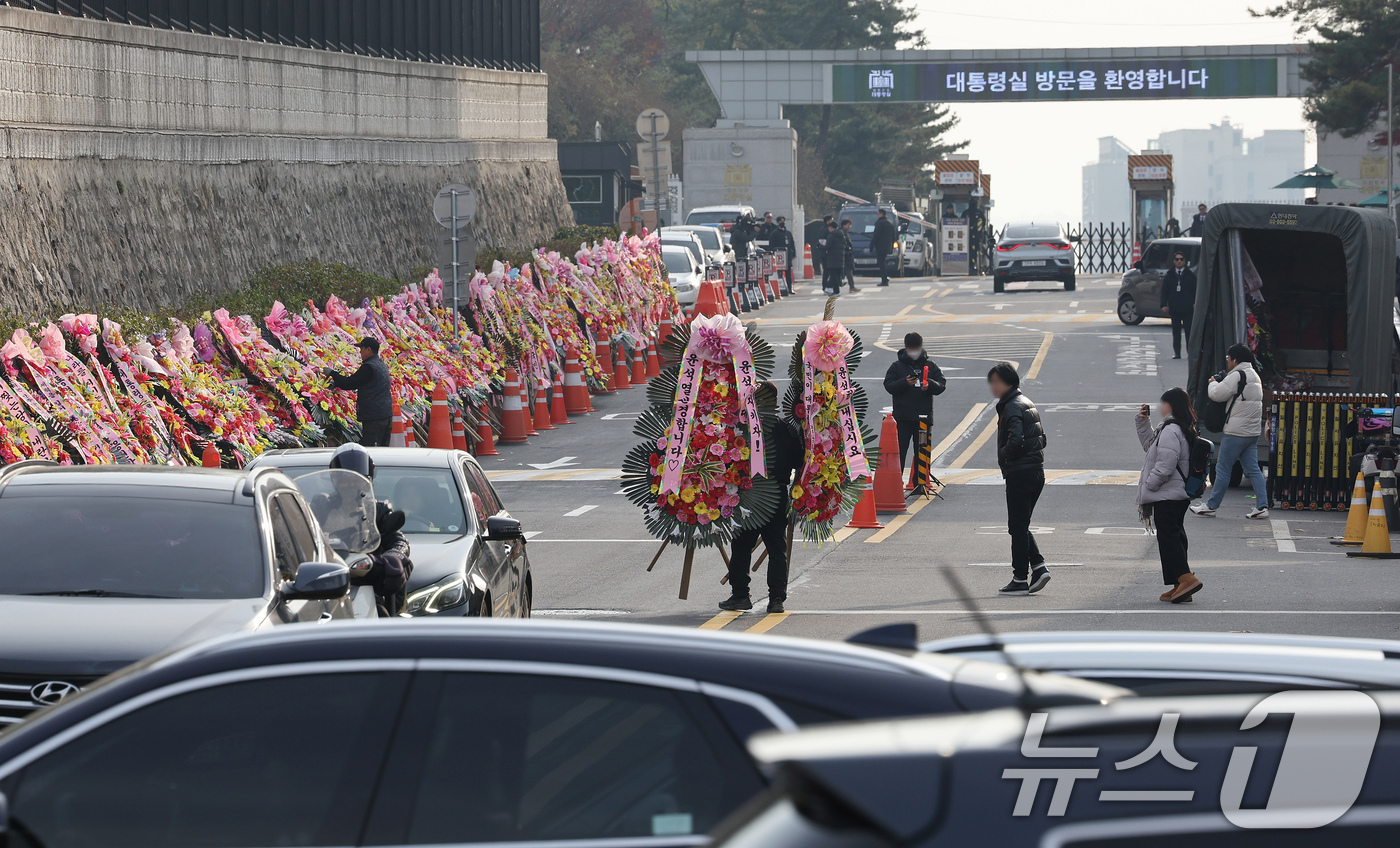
(1199, 465)
(1218, 411)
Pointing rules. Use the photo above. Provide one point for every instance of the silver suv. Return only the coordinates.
(1031, 251)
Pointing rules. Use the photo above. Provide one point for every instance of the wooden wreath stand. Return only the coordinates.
(689, 562)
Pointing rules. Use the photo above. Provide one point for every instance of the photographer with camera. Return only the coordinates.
(741, 235)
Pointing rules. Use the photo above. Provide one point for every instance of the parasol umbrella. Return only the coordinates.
(1316, 177)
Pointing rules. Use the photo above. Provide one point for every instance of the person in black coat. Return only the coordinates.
(814, 235)
(1021, 455)
(784, 454)
(1179, 299)
(374, 403)
(882, 241)
(783, 241)
(1198, 222)
(912, 397)
(833, 258)
(848, 261)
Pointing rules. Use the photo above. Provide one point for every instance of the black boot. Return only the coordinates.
(737, 602)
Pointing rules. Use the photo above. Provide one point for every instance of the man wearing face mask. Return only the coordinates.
(912, 380)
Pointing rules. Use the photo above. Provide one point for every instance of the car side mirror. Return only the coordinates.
(1137, 266)
(502, 529)
(317, 581)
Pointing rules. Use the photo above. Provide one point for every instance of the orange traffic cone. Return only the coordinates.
(864, 516)
(776, 287)
(410, 436)
(575, 390)
(663, 331)
(1356, 519)
(485, 444)
(542, 407)
(459, 432)
(1377, 544)
(808, 272)
(558, 410)
(653, 368)
(210, 457)
(602, 352)
(396, 430)
(705, 303)
(639, 365)
(440, 420)
(525, 411)
(621, 380)
(512, 412)
(889, 494)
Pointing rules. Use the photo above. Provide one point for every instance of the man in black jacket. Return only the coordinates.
(1021, 455)
(374, 403)
(911, 393)
(1198, 222)
(782, 240)
(848, 263)
(784, 455)
(814, 235)
(882, 241)
(1179, 299)
(833, 258)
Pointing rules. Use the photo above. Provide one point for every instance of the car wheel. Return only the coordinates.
(1128, 311)
(1069, 284)
(998, 286)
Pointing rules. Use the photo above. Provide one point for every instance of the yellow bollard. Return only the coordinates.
(1377, 544)
(1356, 519)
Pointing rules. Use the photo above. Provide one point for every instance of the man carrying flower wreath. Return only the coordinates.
(374, 403)
(784, 454)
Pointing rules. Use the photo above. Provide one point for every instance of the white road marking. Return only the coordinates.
(1135, 355)
(1008, 565)
(1283, 537)
(1000, 530)
(1073, 303)
(579, 612)
(609, 541)
(561, 462)
(918, 288)
(621, 416)
(1175, 609)
(1116, 531)
(530, 534)
(580, 511)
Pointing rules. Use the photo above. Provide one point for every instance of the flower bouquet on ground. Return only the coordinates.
(698, 473)
(830, 408)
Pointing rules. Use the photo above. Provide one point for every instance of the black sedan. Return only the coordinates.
(435, 732)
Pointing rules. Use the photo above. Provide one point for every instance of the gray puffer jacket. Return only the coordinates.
(1167, 463)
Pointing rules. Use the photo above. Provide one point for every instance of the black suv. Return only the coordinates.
(863, 218)
(107, 565)
(440, 731)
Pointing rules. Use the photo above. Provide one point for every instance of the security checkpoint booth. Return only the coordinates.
(960, 214)
(1150, 184)
(1311, 291)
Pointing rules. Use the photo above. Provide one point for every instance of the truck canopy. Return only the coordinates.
(1311, 289)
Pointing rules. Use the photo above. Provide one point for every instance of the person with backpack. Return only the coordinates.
(1236, 410)
(1162, 488)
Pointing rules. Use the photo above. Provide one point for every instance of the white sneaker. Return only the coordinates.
(1257, 512)
(1202, 509)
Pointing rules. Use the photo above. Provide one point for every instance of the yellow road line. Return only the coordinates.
(1040, 357)
(976, 445)
(958, 430)
(768, 622)
(905, 311)
(945, 292)
(933, 292)
(719, 621)
(900, 520)
(843, 534)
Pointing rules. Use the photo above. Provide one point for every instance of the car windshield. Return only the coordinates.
(726, 216)
(429, 497)
(676, 260)
(862, 220)
(130, 547)
(1034, 231)
(915, 228)
(688, 245)
(709, 237)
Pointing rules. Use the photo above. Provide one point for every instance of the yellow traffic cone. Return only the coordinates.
(1356, 519)
(1377, 544)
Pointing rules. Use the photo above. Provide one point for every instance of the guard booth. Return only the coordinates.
(1150, 184)
(959, 188)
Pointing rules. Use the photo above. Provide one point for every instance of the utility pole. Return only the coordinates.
(1390, 140)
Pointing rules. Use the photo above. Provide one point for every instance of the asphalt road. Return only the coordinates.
(1086, 372)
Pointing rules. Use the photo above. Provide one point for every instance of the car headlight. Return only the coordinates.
(442, 595)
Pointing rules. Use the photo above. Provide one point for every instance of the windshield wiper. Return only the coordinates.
(98, 593)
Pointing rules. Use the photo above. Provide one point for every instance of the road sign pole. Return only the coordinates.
(655, 171)
(1390, 140)
(456, 262)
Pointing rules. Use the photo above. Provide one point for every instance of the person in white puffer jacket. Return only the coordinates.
(1241, 389)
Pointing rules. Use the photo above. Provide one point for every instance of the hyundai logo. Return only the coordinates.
(51, 691)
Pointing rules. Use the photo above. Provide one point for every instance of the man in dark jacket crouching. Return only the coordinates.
(1021, 455)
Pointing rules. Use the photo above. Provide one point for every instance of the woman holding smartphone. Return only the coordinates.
(1162, 498)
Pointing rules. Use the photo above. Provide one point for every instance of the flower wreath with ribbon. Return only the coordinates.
(699, 473)
(830, 409)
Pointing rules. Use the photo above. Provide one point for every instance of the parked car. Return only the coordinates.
(687, 239)
(468, 553)
(717, 250)
(108, 565)
(448, 732)
(863, 219)
(1140, 296)
(920, 240)
(1031, 251)
(1291, 769)
(1177, 663)
(685, 272)
(717, 216)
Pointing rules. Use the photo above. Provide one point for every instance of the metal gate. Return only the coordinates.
(1098, 248)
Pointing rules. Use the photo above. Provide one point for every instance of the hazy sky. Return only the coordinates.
(1034, 151)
